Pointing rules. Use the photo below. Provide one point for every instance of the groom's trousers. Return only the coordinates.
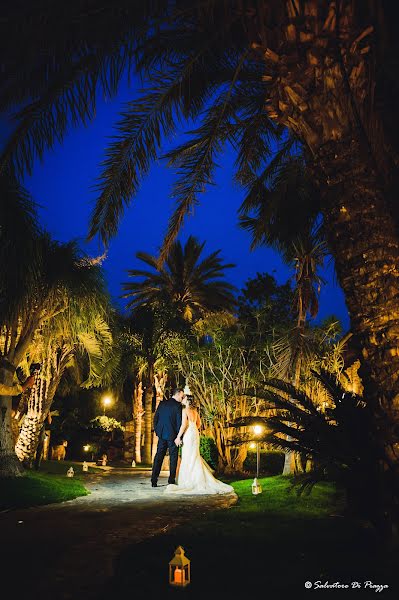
(163, 446)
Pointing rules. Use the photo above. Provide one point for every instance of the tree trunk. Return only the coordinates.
(321, 77)
(148, 397)
(33, 420)
(138, 413)
(40, 401)
(291, 459)
(238, 463)
(160, 380)
(9, 463)
(365, 244)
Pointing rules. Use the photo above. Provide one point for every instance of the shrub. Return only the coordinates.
(209, 451)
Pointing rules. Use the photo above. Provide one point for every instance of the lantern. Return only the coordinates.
(256, 487)
(179, 569)
(70, 472)
(85, 467)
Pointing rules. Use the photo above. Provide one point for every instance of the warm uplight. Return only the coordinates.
(258, 429)
(252, 445)
(86, 448)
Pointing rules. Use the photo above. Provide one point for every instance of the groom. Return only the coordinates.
(167, 421)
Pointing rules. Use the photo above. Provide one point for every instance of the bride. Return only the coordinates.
(195, 476)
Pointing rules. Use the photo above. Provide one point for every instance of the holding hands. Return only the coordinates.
(178, 441)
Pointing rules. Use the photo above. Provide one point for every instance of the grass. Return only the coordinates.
(46, 486)
(265, 546)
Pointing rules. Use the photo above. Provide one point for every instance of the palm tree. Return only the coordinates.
(245, 69)
(191, 287)
(164, 303)
(81, 331)
(40, 277)
(19, 257)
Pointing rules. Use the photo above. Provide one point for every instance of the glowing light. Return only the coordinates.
(107, 401)
(86, 448)
(252, 445)
(258, 429)
(179, 569)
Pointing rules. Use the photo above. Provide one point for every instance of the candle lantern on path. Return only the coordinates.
(179, 569)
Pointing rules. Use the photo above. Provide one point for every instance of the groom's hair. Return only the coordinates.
(176, 390)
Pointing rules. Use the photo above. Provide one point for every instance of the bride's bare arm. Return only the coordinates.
(198, 421)
(184, 420)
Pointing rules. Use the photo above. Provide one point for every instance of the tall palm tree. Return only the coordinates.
(191, 286)
(245, 69)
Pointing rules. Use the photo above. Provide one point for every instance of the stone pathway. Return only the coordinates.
(67, 551)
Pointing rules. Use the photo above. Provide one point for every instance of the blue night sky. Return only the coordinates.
(63, 187)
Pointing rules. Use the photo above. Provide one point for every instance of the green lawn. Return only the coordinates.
(266, 546)
(46, 486)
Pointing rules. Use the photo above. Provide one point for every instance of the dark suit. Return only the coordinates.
(167, 422)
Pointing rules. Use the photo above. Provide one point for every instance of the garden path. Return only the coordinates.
(66, 551)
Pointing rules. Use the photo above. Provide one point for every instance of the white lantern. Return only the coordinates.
(70, 472)
(85, 467)
(256, 487)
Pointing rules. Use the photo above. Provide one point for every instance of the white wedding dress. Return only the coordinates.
(195, 475)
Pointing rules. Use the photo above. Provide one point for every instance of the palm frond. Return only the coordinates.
(196, 158)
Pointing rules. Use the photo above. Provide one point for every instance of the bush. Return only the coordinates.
(270, 462)
(209, 451)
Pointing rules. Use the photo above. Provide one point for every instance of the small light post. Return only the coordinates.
(256, 487)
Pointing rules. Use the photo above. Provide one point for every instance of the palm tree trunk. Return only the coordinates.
(160, 380)
(365, 243)
(9, 463)
(40, 401)
(138, 413)
(291, 460)
(28, 438)
(148, 397)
